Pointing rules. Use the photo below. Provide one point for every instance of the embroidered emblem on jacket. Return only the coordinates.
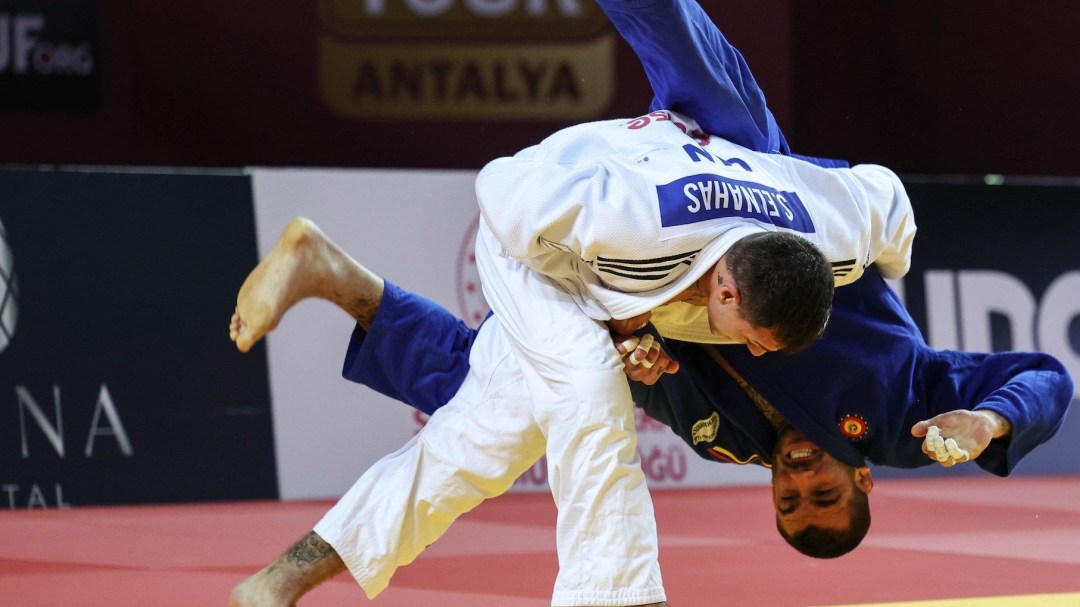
(704, 430)
(854, 426)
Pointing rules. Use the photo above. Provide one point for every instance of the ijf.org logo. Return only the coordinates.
(9, 292)
(474, 308)
(49, 55)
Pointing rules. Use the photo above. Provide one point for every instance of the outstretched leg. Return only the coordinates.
(307, 564)
(304, 263)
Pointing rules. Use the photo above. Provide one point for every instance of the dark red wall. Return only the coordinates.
(236, 84)
(964, 86)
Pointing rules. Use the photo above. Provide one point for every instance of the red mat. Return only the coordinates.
(931, 539)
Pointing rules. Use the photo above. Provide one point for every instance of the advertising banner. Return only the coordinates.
(118, 383)
(997, 267)
(49, 55)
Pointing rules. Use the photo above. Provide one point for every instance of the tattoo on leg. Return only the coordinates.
(309, 550)
(363, 309)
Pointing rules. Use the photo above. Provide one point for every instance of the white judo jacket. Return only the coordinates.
(626, 214)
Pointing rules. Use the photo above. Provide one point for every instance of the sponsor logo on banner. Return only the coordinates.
(9, 292)
(981, 310)
(485, 59)
(48, 55)
(1012, 282)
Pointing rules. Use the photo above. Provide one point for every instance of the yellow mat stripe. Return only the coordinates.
(1069, 599)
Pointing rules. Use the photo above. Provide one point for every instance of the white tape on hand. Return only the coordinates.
(654, 347)
(646, 344)
(629, 344)
(955, 452)
(634, 360)
(935, 444)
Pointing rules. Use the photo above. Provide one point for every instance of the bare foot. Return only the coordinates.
(290, 272)
(256, 591)
(304, 263)
(308, 563)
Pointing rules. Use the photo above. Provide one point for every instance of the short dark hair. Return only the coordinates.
(827, 543)
(786, 285)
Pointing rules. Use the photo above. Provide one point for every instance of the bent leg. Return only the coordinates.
(415, 351)
(303, 263)
(471, 450)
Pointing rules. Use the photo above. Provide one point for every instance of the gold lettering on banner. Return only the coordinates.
(481, 59)
(525, 81)
(463, 20)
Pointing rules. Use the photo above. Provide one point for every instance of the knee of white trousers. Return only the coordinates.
(408, 499)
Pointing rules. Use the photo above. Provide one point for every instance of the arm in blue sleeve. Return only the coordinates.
(1032, 391)
(694, 70)
(416, 352)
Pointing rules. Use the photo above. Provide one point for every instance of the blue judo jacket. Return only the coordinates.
(857, 392)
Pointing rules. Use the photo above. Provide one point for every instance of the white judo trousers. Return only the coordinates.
(535, 385)
(606, 531)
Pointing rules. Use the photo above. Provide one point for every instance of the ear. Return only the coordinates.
(728, 294)
(726, 291)
(863, 480)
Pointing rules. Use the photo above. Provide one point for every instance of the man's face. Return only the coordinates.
(725, 320)
(811, 487)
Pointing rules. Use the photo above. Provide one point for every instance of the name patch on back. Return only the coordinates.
(706, 196)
